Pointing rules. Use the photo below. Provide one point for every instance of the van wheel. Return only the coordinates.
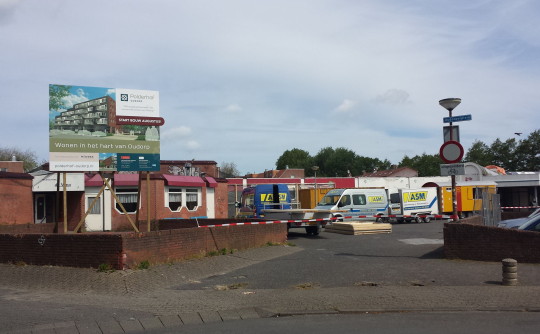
(427, 219)
(312, 230)
(418, 219)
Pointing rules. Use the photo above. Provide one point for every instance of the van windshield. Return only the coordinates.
(331, 197)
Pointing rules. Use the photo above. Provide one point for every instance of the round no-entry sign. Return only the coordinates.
(451, 152)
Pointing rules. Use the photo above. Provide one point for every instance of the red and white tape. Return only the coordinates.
(520, 207)
(324, 221)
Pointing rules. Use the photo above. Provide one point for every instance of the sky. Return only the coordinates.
(243, 81)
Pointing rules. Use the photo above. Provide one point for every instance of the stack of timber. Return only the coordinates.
(357, 228)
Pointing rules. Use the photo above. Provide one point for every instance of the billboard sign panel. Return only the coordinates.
(85, 133)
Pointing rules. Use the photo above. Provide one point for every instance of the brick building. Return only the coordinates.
(16, 206)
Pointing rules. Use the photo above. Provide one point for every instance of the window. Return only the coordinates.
(96, 209)
(175, 199)
(359, 199)
(189, 198)
(192, 199)
(128, 198)
(345, 200)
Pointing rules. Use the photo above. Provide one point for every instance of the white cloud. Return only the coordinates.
(233, 108)
(393, 96)
(346, 106)
(192, 145)
(70, 100)
(177, 133)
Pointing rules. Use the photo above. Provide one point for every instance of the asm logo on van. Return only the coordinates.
(375, 199)
(415, 196)
(270, 197)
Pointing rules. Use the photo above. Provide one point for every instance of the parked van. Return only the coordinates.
(415, 204)
(256, 199)
(358, 202)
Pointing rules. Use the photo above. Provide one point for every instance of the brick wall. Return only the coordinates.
(127, 249)
(485, 243)
(16, 205)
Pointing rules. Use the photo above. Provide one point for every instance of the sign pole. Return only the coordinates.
(65, 202)
(148, 206)
(453, 179)
(449, 104)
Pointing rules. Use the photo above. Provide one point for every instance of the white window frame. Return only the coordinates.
(185, 193)
(122, 191)
(175, 191)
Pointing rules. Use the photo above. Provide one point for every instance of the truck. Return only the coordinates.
(370, 202)
(414, 204)
(273, 202)
(255, 199)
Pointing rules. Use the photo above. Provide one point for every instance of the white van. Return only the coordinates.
(356, 202)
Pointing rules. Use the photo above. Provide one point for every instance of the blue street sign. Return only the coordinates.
(457, 118)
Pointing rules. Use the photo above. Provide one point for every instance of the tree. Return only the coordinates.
(425, 164)
(295, 158)
(56, 94)
(479, 153)
(504, 153)
(229, 169)
(528, 153)
(28, 157)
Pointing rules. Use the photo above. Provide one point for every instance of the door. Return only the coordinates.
(41, 209)
(210, 203)
(99, 217)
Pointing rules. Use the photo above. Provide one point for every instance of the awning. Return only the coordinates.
(93, 180)
(184, 181)
(212, 183)
(126, 179)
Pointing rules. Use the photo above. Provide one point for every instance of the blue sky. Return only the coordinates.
(243, 81)
(81, 94)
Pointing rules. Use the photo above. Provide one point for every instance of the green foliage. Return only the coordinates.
(511, 154)
(295, 158)
(143, 265)
(425, 164)
(105, 268)
(479, 153)
(56, 94)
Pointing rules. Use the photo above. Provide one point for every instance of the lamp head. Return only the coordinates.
(450, 103)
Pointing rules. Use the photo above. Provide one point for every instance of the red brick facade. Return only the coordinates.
(16, 205)
(485, 243)
(126, 250)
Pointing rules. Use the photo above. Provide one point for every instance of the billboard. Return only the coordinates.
(103, 129)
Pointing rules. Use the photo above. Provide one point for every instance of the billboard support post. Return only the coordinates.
(65, 202)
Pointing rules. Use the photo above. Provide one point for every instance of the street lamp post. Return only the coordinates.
(450, 104)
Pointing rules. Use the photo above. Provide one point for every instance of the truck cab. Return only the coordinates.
(254, 200)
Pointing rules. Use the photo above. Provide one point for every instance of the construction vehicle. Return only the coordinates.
(414, 204)
(468, 197)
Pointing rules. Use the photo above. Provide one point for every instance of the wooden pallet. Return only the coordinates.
(358, 228)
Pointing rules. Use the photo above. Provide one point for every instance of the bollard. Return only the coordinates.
(509, 267)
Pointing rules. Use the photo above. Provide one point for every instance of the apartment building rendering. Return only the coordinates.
(97, 116)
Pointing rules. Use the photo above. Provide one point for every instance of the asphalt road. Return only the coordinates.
(332, 274)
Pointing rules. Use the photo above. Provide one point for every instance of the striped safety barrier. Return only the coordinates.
(325, 221)
(519, 207)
